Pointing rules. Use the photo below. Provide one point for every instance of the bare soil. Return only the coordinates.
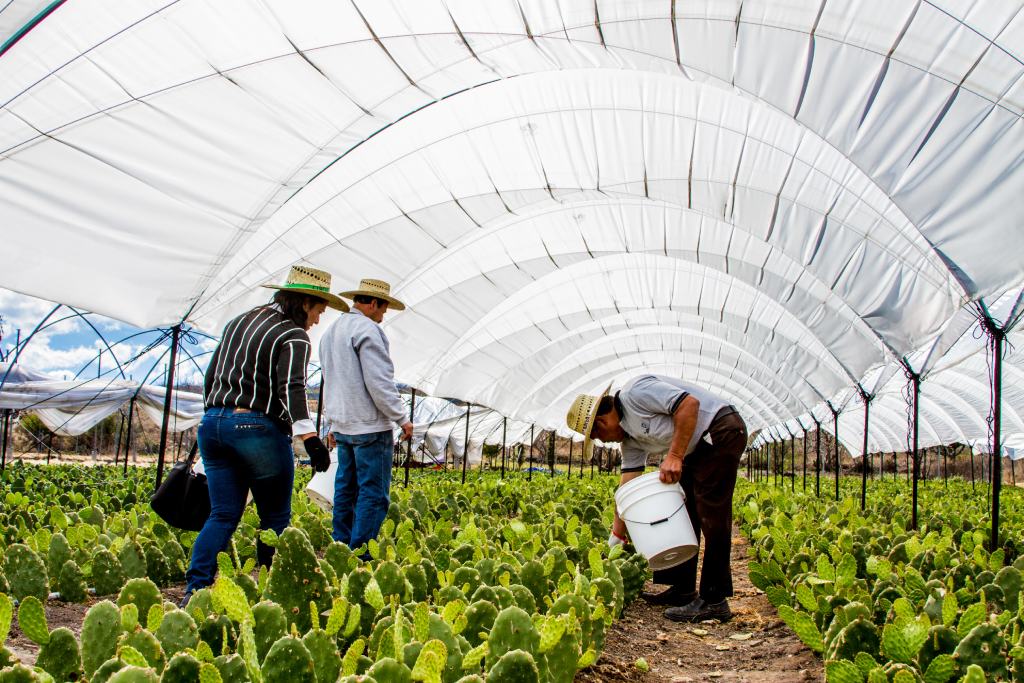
(755, 646)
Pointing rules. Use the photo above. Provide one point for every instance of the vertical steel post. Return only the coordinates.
(838, 464)
(792, 461)
(569, 472)
(529, 468)
(805, 460)
(915, 385)
(998, 337)
(408, 449)
(817, 457)
(128, 436)
(972, 468)
(866, 397)
(175, 337)
(3, 439)
(465, 446)
(504, 434)
(551, 452)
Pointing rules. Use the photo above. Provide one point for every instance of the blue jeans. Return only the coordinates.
(361, 486)
(241, 452)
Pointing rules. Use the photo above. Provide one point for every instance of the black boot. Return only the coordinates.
(673, 596)
(699, 610)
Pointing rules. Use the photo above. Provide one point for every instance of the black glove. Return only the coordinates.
(319, 456)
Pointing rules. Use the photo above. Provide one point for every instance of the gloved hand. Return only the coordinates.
(614, 540)
(319, 456)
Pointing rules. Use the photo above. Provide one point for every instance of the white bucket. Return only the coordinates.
(659, 526)
(321, 487)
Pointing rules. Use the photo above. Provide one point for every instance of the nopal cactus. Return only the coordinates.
(134, 674)
(58, 553)
(71, 583)
(288, 661)
(182, 668)
(60, 656)
(100, 631)
(146, 644)
(26, 573)
(142, 593)
(270, 625)
(296, 578)
(107, 575)
(515, 666)
(513, 630)
(985, 646)
(177, 631)
(323, 649)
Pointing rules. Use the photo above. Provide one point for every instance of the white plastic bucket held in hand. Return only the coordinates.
(655, 515)
(321, 487)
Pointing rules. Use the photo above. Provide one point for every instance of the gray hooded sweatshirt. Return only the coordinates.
(360, 396)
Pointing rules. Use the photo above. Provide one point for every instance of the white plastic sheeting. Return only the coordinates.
(768, 198)
(74, 407)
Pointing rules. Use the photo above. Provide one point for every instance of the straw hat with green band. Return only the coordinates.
(313, 282)
(580, 418)
(378, 289)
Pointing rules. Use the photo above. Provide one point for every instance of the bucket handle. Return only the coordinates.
(659, 521)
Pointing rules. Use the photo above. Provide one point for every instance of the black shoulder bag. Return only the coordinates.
(183, 499)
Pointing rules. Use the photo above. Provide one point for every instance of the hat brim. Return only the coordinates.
(588, 425)
(332, 300)
(392, 301)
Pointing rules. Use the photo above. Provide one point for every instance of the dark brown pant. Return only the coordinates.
(708, 480)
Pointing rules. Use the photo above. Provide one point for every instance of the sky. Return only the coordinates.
(70, 347)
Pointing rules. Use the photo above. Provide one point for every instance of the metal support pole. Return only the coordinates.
(529, 469)
(835, 427)
(175, 336)
(866, 397)
(128, 436)
(972, 468)
(551, 452)
(792, 462)
(504, 433)
(805, 460)
(412, 414)
(465, 446)
(817, 458)
(998, 336)
(3, 439)
(569, 471)
(915, 385)
(591, 462)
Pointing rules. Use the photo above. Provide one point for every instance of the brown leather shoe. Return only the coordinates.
(672, 596)
(698, 611)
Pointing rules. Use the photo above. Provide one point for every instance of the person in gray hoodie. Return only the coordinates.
(361, 406)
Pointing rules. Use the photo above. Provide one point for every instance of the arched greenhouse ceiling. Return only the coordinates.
(768, 198)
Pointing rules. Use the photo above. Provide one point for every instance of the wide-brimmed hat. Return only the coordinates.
(377, 289)
(580, 418)
(313, 282)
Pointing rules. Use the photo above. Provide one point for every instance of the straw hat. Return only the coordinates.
(313, 282)
(580, 417)
(375, 288)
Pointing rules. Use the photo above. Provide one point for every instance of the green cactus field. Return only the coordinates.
(881, 603)
(504, 580)
(511, 580)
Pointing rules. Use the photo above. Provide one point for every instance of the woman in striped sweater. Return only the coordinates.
(255, 397)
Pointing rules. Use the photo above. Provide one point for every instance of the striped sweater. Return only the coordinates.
(260, 364)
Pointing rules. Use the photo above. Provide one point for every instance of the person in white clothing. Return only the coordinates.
(361, 405)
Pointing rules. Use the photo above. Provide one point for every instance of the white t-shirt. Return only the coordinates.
(648, 402)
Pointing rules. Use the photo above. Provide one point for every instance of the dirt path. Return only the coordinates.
(754, 647)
